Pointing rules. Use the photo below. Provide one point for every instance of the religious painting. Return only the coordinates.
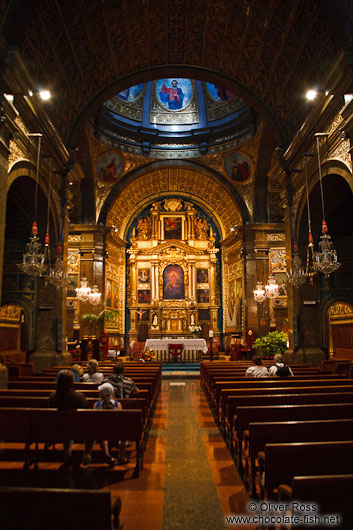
(172, 228)
(71, 284)
(143, 277)
(238, 301)
(144, 296)
(115, 295)
(173, 283)
(174, 94)
(218, 93)
(130, 94)
(108, 294)
(203, 296)
(201, 275)
(9, 282)
(110, 167)
(204, 315)
(238, 167)
(11, 313)
(281, 279)
(231, 304)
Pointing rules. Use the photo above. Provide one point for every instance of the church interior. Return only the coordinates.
(176, 184)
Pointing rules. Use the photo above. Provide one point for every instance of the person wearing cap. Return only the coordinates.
(106, 401)
(93, 376)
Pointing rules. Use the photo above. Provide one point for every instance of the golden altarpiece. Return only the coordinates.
(172, 272)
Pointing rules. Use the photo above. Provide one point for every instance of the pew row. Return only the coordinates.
(35, 426)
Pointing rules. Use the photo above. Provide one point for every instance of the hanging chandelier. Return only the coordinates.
(95, 295)
(271, 290)
(83, 291)
(296, 274)
(88, 294)
(259, 293)
(33, 259)
(326, 258)
(58, 274)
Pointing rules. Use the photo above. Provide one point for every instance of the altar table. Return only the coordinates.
(191, 348)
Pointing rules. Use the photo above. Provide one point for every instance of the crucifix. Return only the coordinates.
(140, 313)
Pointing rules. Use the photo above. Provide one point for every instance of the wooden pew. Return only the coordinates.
(279, 399)
(331, 493)
(262, 433)
(46, 425)
(284, 461)
(247, 415)
(57, 509)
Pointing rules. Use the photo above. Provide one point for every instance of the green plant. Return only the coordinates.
(95, 322)
(271, 344)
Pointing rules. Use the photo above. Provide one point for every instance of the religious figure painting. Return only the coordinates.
(130, 94)
(108, 294)
(115, 295)
(201, 275)
(231, 303)
(238, 301)
(172, 228)
(110, 166)
(143, 277)
(218, 93)
(144, 296)
(173, 283)
(238, 167)
(174, 94)
(203, 296)
(71, 284)
(143, 315)
(281, 278)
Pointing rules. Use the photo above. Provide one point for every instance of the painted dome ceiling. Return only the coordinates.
(175, 118)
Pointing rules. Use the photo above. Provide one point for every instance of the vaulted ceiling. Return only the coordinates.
(266, 51)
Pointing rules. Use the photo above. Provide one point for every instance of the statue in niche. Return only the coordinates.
(201, 228)
(144, 228)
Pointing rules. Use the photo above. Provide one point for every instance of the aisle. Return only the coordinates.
(189, 481)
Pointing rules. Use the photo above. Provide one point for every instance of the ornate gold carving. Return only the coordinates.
(335, 123)
(209, 192)
(173, 205)
(144, 227)
(342, 152)
(278, 261)
(16, 154)
(74, 238)
(340, 309)
(276, 237)
(73, 261)
(201, 228)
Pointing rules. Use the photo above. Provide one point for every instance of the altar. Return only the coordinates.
(191, 348)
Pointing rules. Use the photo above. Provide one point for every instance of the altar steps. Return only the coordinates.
(182, 370)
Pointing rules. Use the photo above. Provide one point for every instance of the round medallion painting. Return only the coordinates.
(218, 93)
(238, 167)
(131, 93)
(174, 93)
(110, 167)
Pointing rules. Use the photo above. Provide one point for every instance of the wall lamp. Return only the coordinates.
(43, 94)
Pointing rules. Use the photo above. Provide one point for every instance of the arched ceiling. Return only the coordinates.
(193, 185)
(272, 49)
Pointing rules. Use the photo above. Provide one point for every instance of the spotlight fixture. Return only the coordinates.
(312, 93)
(43, 94)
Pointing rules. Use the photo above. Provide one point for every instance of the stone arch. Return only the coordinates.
(329, 167)
(195, 185)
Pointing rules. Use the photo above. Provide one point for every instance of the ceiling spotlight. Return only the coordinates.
(9, 97)
(311, 94)
(45, 94)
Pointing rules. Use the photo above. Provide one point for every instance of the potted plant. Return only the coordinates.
(271, 344)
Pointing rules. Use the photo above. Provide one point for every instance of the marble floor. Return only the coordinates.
(189, 480)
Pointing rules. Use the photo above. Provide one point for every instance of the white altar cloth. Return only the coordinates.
(190, 347)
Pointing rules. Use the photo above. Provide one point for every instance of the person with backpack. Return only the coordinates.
(124, 387)
(279, 369)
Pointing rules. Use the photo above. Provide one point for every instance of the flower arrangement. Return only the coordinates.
(271, 344)
(195, 330)
(146, 356)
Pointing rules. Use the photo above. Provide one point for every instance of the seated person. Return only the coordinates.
(124, 387)
(257, 370)
(93, 376)
(66, 398)
(106, 401)
(279, 369)
(77, 372)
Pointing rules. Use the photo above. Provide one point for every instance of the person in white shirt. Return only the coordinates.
(279, 369)
(257, 370)
(93, 376)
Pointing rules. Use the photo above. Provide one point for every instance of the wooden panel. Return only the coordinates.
(9, 338)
